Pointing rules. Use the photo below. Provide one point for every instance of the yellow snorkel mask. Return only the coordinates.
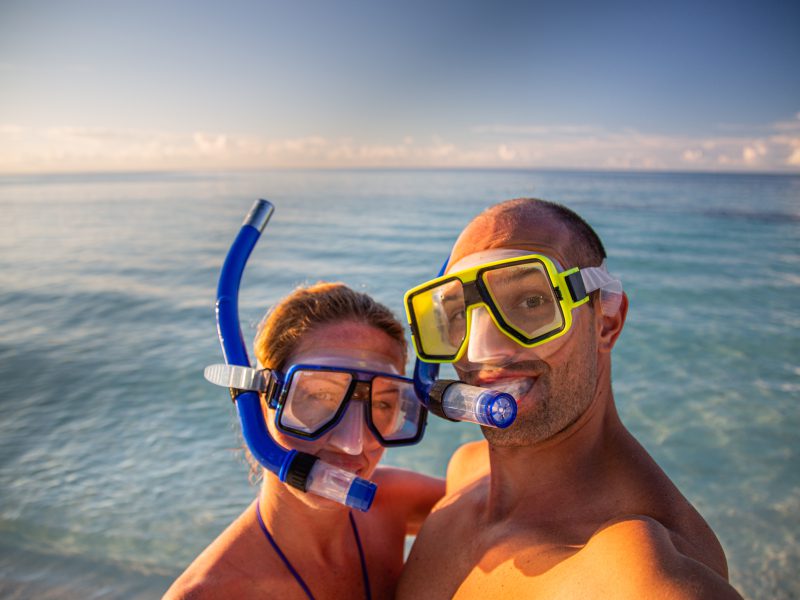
(528, 297)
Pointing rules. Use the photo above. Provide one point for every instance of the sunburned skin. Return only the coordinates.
(565, 503)
(315, 533)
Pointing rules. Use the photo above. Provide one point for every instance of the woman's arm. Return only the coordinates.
(410, 493)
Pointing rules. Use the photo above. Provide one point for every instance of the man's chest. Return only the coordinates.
(487, 562)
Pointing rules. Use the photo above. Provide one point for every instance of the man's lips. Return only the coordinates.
(517, 387)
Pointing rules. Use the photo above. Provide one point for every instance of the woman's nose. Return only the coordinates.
(348, 435)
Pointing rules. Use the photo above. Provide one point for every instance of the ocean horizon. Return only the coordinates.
(119, 463)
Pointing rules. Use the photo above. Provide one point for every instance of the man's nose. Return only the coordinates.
(487, 344)
(348, 435)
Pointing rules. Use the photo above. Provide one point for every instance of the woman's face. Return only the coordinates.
(350, 444)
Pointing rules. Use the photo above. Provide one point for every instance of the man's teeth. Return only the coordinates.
(515, 387)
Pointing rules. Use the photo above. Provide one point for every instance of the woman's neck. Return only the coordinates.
(321, 532)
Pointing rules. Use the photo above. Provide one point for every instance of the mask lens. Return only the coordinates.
(314, 399)
(396, 412)
(524, 298)
(440, 317)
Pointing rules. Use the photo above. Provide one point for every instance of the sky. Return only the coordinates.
(117, 85)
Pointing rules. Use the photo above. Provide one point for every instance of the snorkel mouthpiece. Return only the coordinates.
(341, 486)
(301, 470)
(309, 474)
(458, 401)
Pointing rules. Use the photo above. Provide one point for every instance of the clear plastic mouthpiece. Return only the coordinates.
(464, 402)
(341, 486)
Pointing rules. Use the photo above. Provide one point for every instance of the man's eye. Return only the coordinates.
(457, 316)
(533, 301)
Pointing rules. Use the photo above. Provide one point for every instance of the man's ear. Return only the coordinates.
(611, 325)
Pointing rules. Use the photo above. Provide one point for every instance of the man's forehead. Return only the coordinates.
(542, 234)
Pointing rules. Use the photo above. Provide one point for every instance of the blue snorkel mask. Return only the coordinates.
(311, 400)
(456, 401)
(299, 469)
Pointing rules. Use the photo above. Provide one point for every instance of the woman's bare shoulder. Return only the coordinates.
(221, 570)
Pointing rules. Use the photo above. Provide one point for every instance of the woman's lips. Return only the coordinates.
(353, 466)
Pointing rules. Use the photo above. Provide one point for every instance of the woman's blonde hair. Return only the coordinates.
(307, 308)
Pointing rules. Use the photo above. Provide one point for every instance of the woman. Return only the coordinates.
(291, 544)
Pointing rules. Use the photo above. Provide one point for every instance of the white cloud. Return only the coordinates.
(211, 144)
(11, 130)
(506, 153)
(793, 146)
(534, 130)
(791, 125)
(752, 154)
(59, 149)
(692, 155)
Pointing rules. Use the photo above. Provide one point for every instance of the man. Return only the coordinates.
(565, 503)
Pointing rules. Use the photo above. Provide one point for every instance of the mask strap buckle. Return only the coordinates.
(576, 286)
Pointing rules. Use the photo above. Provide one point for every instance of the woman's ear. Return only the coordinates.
(611, 323)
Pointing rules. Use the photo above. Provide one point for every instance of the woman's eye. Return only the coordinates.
(321, 396)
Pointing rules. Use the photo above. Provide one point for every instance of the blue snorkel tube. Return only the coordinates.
(298, 469)
(456, 401)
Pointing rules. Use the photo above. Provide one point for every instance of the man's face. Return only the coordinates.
(553, 383)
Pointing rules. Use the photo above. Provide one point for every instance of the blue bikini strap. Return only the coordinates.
(364, 573)
(295, 574)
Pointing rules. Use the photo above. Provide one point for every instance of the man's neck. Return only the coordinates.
(557, 472)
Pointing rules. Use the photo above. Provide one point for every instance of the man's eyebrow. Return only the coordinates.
(518, 273)
(452, 298)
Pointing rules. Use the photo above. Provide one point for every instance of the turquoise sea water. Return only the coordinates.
(118, 463)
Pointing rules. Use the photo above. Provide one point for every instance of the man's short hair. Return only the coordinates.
(587, 250)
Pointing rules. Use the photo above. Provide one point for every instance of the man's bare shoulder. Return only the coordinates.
(447, 534)
(468, 463)
(450, 523)
(636, 556)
